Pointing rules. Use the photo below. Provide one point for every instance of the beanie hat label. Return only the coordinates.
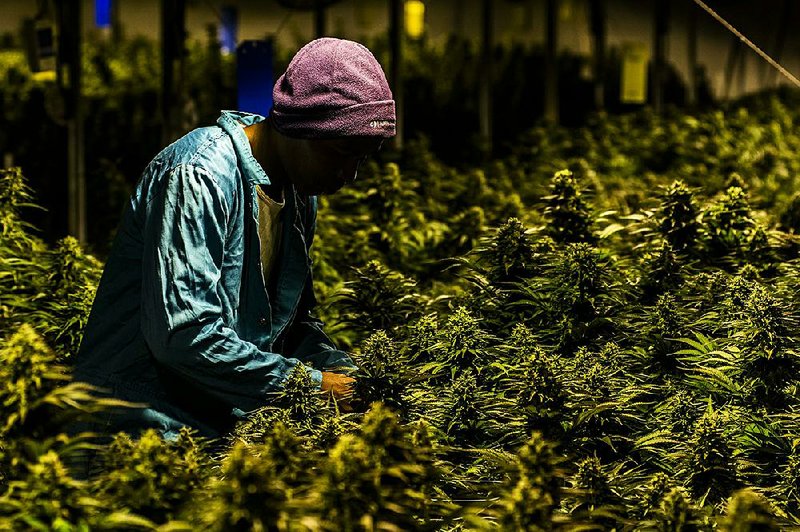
(375, 124)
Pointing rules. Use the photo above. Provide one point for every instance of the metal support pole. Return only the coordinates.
(320, 22)
(458, 17)
(598, 29)
(787, 17)
(173, 35)
(551, 64)
(116, 24)
(734, 51)
(692, 78)
(396, 35)
(661, 25)
(69, 64)
(742, 69)
(485, 95)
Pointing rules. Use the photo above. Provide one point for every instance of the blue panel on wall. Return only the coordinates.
(102, 13)
(229, 26)
(254, 76)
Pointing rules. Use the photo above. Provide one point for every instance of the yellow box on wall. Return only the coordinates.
(415, 18)
(633, 88)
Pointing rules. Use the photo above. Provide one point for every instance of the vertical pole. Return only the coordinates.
(733, 59)
(551, 64)
(485, 94)
(70, 18)
(396, 32)
(661, 15)
(320, 22)
(780, 41)
(458, 17)
(116, 24)
(598, 29)
(742, 68)
(173, 33)
(692, 80)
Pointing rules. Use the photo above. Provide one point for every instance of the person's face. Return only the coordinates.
(320, 167)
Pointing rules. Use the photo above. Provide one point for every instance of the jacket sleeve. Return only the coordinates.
(184, 242)
(305, 338)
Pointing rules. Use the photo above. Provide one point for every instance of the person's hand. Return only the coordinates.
(341, 387)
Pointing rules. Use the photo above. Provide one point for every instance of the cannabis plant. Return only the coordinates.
(533, 492)
(728, 223)
(677, 216)
(709, 463)
(677, 513)
(568, 213)
(679, 412)
(464, 232)
(664, 325)
(377, 298)
(382, 374)
(592, 492)
(462, 344)
(305, 405)
(47, 498)
(767, 360)
(606, 409)
(152, 477)
(535, 386)
(523, 344)
(378, 479)
(39, 402)
(421, 339)
(248, 495)
(466, 412)
(509, 253)
(749, 512)
(577, 295)
(661, 272)
(15, 195)
(653, 492)
(71, 284)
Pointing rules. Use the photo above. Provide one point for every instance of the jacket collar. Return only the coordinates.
(233, 123)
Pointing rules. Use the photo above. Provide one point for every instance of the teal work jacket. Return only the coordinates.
(182, 320)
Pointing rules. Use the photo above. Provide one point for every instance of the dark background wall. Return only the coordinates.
(520, 21)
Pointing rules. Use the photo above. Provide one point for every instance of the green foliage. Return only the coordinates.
(28, 375)
(378, 298)
(749, 512)
(248, 495)
(152, 477)
(729, 226)
(711, 468)
(379, 478)
(382, 374)
(566, 210)
(47, 499)
(650, 337)
(533, 494)
(677, 513)
(677, 216)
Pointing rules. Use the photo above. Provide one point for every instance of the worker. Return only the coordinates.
(205, 304)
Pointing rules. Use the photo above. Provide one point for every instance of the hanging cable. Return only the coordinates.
(788, 75)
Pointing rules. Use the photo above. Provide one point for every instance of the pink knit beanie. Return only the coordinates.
(333, 88)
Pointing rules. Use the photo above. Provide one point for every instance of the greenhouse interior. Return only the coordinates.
(387, 265)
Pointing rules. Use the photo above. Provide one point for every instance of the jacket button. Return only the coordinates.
(263, 321)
